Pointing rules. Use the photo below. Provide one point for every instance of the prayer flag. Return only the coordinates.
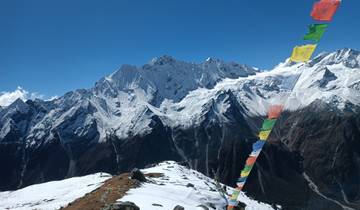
(303, 53)
(258, 145)
(245, 173)
(242, 179)
(250, 160)
(231, 205)
(325, 10)
(240, 187)
(268, 124)
(264, 135)
(275, 111)
(235, 194)
(255, 153)
(316, 31)
(247, 168)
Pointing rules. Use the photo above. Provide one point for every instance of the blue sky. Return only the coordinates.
(52, 46)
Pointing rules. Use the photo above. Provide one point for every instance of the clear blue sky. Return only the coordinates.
(54, 46)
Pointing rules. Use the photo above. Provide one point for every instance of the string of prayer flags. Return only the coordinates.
(324, 10)
(267, 126)
(233, 201)
(303, 53)
(316, 31)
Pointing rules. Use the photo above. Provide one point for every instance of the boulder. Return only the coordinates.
(190, 185)
(138, 175)
(178, 207)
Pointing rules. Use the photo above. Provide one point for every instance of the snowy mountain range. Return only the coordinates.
(206, 114)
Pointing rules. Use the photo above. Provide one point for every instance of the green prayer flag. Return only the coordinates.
(316, 31)
(247, 168)
(268, 124)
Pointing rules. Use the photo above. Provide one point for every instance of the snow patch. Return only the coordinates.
(182, 186)
(51, 195)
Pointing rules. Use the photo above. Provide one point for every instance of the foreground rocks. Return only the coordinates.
(123, 206)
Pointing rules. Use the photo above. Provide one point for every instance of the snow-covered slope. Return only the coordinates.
(51, 195)
(182, 186)
(178, 186)
(123, 103)
(119, 103)
(329, 78)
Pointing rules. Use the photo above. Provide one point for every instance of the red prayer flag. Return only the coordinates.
(274, 111)
(325, 10)
(251, 160)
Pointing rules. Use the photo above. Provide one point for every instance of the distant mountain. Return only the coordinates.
(206, 114)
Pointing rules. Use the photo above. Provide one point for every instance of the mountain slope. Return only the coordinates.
(176, 185)
(206, 114)
(182, 186)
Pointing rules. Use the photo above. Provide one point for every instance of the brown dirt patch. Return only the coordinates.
(112, 190)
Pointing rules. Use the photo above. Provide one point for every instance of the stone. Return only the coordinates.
(156, 204)
(203, 207)
(178, 207)
(124, 206)
(190, 185)
(138, 175)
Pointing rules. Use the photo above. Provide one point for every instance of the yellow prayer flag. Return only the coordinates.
(264, 135)
(303, 53)
(245, 173)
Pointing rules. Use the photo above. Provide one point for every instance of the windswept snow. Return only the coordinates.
(182, 186)
(51, 195)
(178, 186)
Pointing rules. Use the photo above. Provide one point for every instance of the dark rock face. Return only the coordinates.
(55, 160)
(327, 77)
(10, 161)
(310, 161)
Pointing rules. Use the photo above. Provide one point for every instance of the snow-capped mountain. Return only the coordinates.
(177, 185)
(206, 114)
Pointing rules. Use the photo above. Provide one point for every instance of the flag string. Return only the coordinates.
(323, 12)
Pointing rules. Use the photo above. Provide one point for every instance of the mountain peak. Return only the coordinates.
(19, 105)
(212, 60)
(348, 57)
(162, 60)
